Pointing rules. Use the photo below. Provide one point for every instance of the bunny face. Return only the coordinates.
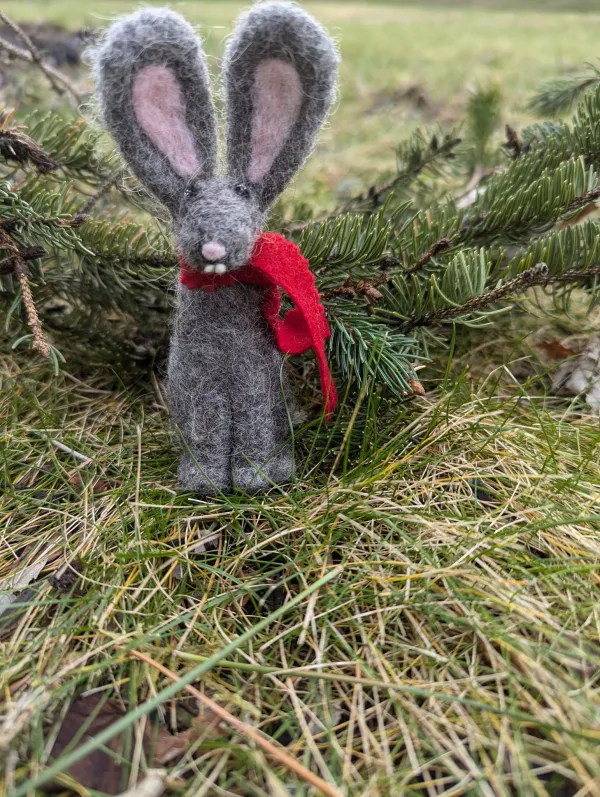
(278, 83)
(217, 224)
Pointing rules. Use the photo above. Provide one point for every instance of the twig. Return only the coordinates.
(575, 276)
(276, 752)
(58, 81)
(102, 191)
(536, 275)
(16, 146)
(21, 272)
(40, 344)
(7, 266)
(584, 200)
(435, 249)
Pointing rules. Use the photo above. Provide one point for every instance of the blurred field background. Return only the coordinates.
(404, 64)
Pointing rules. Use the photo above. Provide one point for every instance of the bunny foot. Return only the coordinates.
(204, 483)
(277, 471)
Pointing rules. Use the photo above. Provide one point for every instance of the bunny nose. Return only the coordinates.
(213, 251)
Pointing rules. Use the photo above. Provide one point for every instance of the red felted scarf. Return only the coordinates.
(277, 263)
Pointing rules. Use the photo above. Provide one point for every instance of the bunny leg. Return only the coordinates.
(205, 464)
(201, 412)
(198, 393)
(262, 454)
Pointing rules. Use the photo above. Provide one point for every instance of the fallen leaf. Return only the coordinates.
(12, 589)
(555, 351)
(581, 374)
(106, 772)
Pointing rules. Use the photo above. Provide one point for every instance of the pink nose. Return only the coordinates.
(213, 251)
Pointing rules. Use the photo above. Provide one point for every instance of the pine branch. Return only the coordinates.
(537, 275)
(52, 221)
(484, 108)
(557, 96)
(415, 157)
(419, 155)
(76, 147)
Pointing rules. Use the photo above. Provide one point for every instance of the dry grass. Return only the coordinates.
(457, 652)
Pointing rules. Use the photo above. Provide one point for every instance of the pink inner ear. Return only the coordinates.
(158, 108)
(278, 96)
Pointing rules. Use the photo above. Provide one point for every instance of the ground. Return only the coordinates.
(455, 649)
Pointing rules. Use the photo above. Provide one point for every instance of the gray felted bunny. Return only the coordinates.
(226, 384)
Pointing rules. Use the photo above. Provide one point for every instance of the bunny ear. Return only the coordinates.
(155, 100)
(279, 81)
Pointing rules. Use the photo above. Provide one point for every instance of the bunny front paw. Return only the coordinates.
(278, 471)
(205, 482)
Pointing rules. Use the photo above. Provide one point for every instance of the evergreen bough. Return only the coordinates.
(450, 239)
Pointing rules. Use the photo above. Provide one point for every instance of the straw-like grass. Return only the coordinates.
(456, 652)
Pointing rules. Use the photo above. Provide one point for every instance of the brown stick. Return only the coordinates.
(15, 145)
(58, 81)
(536, 275)
(277, 753)
(435, 249)
(40, 344)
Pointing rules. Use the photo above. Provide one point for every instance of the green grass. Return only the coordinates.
(457, 650)
(466, 531)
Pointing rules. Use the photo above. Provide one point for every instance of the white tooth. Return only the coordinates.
(209, 269)
(220, 268)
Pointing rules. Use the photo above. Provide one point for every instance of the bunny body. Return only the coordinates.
(227, 392)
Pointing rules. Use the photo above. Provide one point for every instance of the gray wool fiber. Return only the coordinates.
(226, 387)
(162, 37)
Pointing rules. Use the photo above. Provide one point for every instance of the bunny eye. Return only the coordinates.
(190, 190)
(242, 190)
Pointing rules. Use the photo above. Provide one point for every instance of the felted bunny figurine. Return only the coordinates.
(226, 386)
